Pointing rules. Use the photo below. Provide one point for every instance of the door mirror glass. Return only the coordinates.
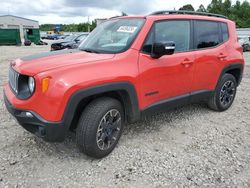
(161, 49)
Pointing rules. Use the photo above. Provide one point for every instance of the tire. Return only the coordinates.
(224, 94)
(244, 48)
(99, 128)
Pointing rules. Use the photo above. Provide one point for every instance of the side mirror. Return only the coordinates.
(161, 49)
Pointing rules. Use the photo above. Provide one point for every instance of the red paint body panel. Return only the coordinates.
(32, 67)
(167, 75)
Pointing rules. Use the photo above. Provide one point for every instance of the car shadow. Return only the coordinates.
(147, 124)
(158, 120)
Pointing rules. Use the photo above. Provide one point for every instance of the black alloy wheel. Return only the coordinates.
(108, 129)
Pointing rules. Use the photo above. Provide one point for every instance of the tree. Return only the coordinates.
(227, 4)
(226, 7)
(239, 12)
(220, 7)
(201, 8)
(124, 14)
(215, 7)
(81, 27)
(187, 7)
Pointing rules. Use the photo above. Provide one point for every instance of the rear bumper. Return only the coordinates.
(32, 122)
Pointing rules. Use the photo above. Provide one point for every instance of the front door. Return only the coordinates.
(171, 75)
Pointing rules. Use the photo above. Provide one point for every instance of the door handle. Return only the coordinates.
(187, 63)
(221, 56)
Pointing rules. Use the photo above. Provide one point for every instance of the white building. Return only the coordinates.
(243, 31)
(15, 22)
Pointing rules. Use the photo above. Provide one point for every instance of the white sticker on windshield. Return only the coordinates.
(127, 29)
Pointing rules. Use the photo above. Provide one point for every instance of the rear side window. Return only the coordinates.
(207, 34)
(165, 31)
(224, 29)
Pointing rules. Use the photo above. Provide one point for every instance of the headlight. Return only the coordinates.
(31, 84)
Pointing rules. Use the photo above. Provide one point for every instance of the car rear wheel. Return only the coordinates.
(100, 127)
(224, 94)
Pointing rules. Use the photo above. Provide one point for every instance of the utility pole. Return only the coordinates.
(88, 25)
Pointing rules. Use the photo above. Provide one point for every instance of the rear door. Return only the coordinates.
(210, 43)
(170, 75)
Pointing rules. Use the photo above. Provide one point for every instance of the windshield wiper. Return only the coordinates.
(89, 50)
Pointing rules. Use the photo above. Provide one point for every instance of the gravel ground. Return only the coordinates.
(189, 146)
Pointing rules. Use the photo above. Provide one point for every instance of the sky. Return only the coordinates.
(78, 11)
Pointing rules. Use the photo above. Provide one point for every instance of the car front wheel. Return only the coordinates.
(100, 127)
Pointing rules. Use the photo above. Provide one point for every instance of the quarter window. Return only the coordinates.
(207, 34)
(224, 30)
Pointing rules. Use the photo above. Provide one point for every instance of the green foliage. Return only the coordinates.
(188, 7)
(239, 12)
(220, 7)
(201, 9)
(81, 27)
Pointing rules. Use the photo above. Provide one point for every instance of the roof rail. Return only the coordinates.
(187, 12)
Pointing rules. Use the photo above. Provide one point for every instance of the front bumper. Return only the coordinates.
(32, 122)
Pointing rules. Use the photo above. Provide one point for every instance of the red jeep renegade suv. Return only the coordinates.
(126, 68)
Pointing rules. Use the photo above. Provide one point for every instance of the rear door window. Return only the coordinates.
(207, 34)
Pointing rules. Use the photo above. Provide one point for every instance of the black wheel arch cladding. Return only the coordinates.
(125, 89)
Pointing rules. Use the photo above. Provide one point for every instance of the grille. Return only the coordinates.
(13, 80)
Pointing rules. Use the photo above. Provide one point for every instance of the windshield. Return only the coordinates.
(81, 37)
(112, 36)
(70, 38)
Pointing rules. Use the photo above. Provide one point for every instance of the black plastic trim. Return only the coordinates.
(166, 12)
(166, 104)
(131, 102)
(232, 67)
(174, 102)
(199, 96)
(49, 131)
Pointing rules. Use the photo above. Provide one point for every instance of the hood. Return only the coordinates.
(63, 43)
(32, 65)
